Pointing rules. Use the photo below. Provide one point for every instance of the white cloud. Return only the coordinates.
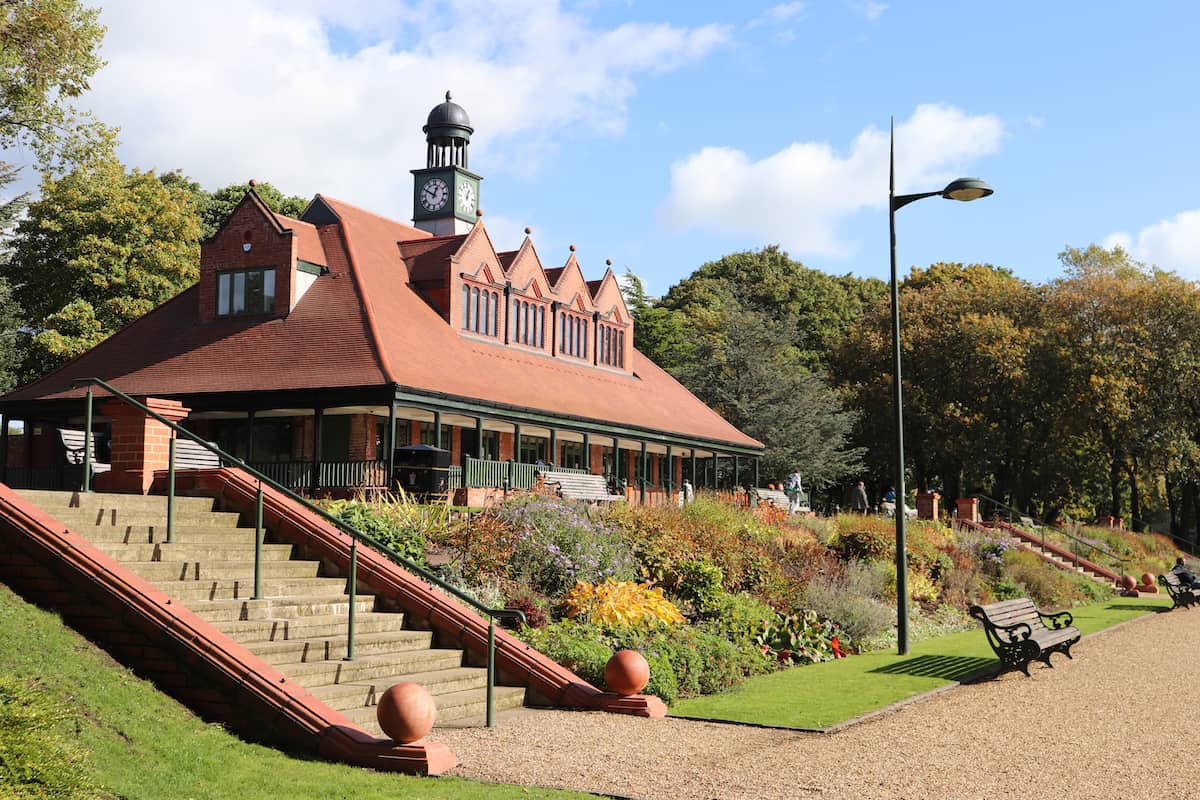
(315, 96)
(870, 11)
(799, 195)
(777, 14)
(1172, 244)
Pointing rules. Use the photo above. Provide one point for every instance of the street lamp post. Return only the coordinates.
(964, 189)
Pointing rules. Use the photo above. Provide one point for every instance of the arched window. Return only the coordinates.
(473, 310)
(466, 304)
(562, 332)
(515, 320)
(583, 347)
(621, 350)
(525, 322)
(541, 326)
(495, 314)
(486, 307)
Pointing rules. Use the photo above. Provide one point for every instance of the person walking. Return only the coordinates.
(794, 491)
(858, 499)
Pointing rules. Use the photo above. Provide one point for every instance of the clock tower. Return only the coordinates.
(445, 194)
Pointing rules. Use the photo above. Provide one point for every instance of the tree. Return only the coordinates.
(658, 332)
(48, 53)
(220, 204)
(102, 247)
(823, 308)
(739, 369)
(11, 352)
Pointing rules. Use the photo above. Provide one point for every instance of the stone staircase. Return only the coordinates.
(298, 626)
(1065, 564)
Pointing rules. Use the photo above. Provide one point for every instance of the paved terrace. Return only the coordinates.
(1121, 719)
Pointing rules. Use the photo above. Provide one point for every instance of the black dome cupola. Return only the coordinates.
(448, 133)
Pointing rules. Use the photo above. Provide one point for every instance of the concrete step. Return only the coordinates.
(235, 589)
(286, 653)
(118, 517)
(53, 501)
(165, 571)
(179, 551)
(157, 533)
(454, 708)
(352, 694)
(248, 632)
(276, 608)
(366, 669)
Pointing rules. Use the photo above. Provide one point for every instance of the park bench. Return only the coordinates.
(578, 486)
(192, 455)
(1019, 633)
(72, 440)
(779, 498)
(1180, 595)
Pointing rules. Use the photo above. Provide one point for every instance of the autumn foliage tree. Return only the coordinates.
(102, 246)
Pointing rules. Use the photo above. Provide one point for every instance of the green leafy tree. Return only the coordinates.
(220, 204)
(739, 369)
(11, 352)
(658, 332)
(102, 247)
(48, 53)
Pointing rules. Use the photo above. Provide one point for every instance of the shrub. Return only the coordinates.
(683, 661)
(533, 606)
(1047, 586)
(802, 638)
(700, 582)
(852, 600)
(395, 520)
(620, 604)
(483, 544)
(865, 544)
(556, 544)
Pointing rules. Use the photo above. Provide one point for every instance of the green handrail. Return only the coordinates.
(356, 535)
(1043, 525)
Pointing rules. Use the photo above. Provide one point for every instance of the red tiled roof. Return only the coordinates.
(309, 242)
(364, 325)
(420, 347)
(426, 258)
(553, 274)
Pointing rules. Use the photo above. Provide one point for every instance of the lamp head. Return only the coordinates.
(966, 189)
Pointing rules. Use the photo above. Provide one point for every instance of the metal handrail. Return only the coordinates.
(356, 535)
(1044, 525)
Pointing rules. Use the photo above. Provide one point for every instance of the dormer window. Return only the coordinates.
(480, 310)
(245, 291)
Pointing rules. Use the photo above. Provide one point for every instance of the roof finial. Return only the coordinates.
(479, 212)
(447, 95)
(608, 261)
(528, 230)
(253, 183)
(572, 248)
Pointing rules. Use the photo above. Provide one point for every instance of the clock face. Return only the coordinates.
(434, 194)
(466, 197)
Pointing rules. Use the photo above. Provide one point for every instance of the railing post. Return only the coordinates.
(491, 671)
(87, 443)
(258, 541)
(353, 599)
(171, 488)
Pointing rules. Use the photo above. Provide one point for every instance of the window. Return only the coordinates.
(427, 435)
(495, 313)
(248, 291)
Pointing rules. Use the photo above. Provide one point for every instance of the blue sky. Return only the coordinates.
(664, 135)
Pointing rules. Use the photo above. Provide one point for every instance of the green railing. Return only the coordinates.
(1049, 533)
(356, 536)
(483, 473)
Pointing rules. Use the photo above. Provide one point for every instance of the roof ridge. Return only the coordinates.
(378, 216)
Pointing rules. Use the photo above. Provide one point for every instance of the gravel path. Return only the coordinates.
(1119, 720)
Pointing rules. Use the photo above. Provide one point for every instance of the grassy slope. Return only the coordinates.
(144, 745)
(821, 695)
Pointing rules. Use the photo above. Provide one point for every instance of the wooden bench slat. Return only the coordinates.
(1017, 631)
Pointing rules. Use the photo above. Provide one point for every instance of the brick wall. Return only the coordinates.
(269, 248)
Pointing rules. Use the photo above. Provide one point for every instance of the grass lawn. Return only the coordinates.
(821, 695)
(141, 745)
